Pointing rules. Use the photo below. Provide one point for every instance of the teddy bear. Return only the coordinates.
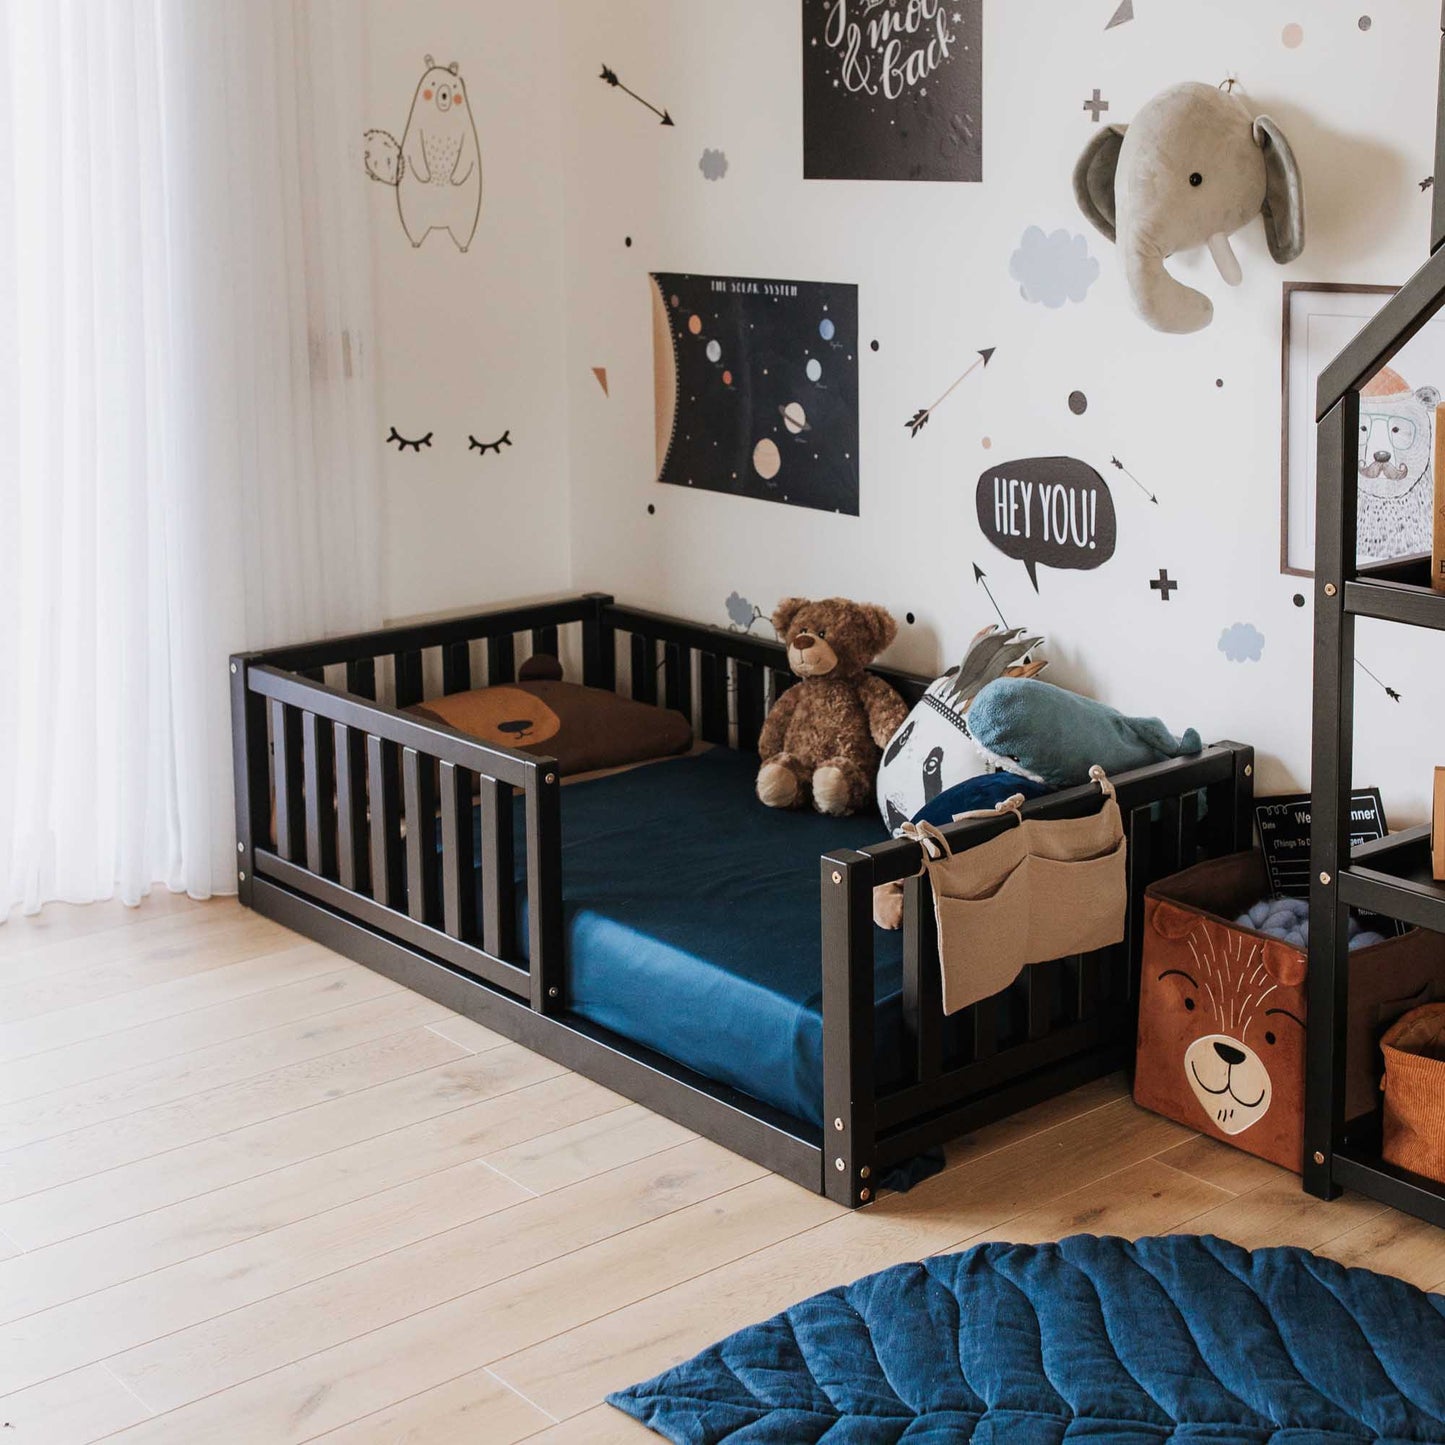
(822, 740)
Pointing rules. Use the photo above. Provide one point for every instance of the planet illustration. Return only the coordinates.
(767, 460)
(714, 351)
(814, 368)
(727, 378)
(794, 417)
(694, 324)
(825, 328)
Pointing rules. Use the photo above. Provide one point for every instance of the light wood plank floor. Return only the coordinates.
(252, 1192)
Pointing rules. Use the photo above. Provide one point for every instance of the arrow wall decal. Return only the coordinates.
(919, 419)
(1135, 480)
(610, 76)
(981, 577)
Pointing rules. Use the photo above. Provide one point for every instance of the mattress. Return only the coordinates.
(692, 924)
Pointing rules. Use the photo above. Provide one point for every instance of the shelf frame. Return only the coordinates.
(1332, 1160)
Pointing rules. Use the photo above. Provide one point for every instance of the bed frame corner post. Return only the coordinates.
(250, 757)
(599, 652)
(544, 887)
(849, 1163)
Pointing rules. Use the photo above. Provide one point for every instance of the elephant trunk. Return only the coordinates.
(1166, 304)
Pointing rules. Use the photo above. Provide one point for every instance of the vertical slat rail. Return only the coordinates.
(456, 667)
(289, 805)
(544, 887)
(544, 641)
(319, 773)
(1040, 981)
(677, 678)
(499, 925)
(458, 861)
(252, 764)
(750, 706)
(1328, 980)
(644, 669)
(501, 659)
(408, 674)
(388, 883)
(599, 646)
(849, 1091)
(922, 981)
(1140, 870)
(361, 677)
(349, 747)
(714, 712)
(420, 796)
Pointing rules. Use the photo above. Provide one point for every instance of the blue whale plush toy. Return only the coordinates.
(1054, 736)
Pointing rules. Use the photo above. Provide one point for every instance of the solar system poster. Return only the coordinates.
(893, 90)
(757, 388)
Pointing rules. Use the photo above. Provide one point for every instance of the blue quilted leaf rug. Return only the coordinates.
(1089, 1340)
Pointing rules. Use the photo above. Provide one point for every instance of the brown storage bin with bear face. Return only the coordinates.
(1222, 1011)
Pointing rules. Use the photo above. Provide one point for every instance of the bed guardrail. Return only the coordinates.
(1068, 1019)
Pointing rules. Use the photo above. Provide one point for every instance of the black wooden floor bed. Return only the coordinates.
(329, 767)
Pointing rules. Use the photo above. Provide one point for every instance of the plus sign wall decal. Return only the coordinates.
(1163, 584)
(1096, 105)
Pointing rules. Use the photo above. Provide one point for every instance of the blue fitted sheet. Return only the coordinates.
(692, 924)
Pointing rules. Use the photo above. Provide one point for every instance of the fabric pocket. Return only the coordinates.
(982, 940)
(1078, 905)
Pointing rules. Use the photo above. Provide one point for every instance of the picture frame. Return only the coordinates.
(1396, 477)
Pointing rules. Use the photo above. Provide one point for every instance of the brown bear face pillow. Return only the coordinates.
(1222, 1032)
(584, 728)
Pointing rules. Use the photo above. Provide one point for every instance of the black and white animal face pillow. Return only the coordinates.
(932, 750)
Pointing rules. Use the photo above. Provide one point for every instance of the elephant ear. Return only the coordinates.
(1284, 195)
(1094, 178)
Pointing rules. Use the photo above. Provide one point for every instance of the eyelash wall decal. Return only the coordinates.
(402, 443)
(505, 440)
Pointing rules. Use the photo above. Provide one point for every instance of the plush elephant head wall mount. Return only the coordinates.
(1192, 169)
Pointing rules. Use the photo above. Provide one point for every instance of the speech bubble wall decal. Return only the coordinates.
(1048, 512)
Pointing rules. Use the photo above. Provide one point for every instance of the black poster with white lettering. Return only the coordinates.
(893, 90)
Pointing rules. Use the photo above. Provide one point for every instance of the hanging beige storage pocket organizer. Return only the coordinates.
(1044, 889)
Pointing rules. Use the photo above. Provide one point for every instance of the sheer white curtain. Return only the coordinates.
(187, 412)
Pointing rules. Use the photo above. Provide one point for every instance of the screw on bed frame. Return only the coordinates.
(1319, 1156)
(1325, 879)
(837, 876)
(551, 778)
(241, 877)
(233, 668)
(865, 1195)
(839, 1165)
(240, 847)
(838, 1125)
(1330, 589)
(1249, 770)
(553, 992)
(864, 1172)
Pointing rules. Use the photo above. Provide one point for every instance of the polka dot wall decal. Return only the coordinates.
(1219, 381)
(1292, 35)
(1299, 599)
(1365, 22)
(651, 510)
(627, 240)
(987, 443)
(909, 618)
(873, 345)
(1078, 403)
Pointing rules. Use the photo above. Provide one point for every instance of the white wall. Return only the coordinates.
(474, 343)
(931, 263)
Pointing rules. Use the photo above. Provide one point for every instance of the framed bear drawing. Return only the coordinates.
(1397, 426)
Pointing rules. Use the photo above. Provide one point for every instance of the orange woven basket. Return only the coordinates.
(1414, 1050)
